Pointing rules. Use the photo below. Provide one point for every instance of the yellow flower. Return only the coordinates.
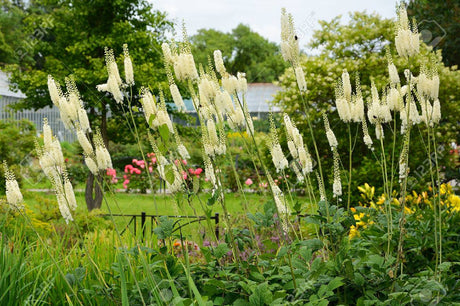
(408, 211)
(353, 232)
(454, 202)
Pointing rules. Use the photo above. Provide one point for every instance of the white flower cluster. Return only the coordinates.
(52, 163)
(406, 40)
(219, 62)
(114, 80)
(95, 159)
(289, 39)
(155, 115)
(379, 111)
(71, 109)
(278, 158)
(13, 193)
(350, 107)
(213, 143)
(209, 171)
(297, 148)
(129, 73)
(337, 184)
(183, 63)
(177, 98)
(428, 86)
(330, 134)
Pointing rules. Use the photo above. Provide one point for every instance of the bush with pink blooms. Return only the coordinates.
(138, 174)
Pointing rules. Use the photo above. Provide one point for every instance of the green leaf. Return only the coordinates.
(124, 287)
(313, 244)
(164, 133)
(165, 228)
(261, 296)
(359, 279)
(169, 173)
(151, 118)
(282, 251)
(221, 250)
(335, 283)
(213, 198)
(196, 184)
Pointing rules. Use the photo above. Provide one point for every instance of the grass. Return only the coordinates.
(164, 204)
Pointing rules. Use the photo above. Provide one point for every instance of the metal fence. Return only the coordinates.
(36, 116)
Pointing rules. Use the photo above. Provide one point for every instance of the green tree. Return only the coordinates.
(73, 35)
(243, 50)
(360, 47)
(22, 134)
(11, 34)
(439, 24)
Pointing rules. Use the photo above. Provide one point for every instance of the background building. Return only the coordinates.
(9, 98)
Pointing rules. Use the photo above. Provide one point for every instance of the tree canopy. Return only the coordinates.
(360, 47)
(11, 31)
(243, 50)
(439, 25)
(68, 37)
(72, 41)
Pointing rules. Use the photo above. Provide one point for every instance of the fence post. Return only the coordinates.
(216, 220)
(143, 217)
(135, 225)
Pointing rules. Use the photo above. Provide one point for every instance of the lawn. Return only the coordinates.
(122, 203)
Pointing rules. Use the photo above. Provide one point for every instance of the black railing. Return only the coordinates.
(153, 218)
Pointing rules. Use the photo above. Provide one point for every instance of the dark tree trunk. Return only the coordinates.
(93, 192)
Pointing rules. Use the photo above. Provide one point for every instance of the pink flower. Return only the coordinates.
(248, 182)
(128, 168)
(125, 176)
(184, 162)
(184, 175)
(198, 171)
(154, 160)
(150, 169)
(191, 171)
(137, 171)
(263, 185)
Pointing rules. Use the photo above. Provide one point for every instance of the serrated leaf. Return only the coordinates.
(165, 228)
(221, 250)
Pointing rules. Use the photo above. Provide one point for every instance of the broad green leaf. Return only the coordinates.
(261, 296)
(169, 173)
(164, 133)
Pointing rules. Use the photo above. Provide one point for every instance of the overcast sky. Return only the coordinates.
(263, 15)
